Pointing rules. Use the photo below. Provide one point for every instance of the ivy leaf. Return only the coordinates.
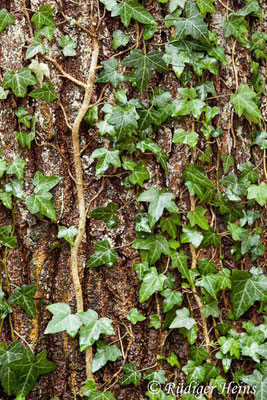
(236, 26)
(107, 157)
(29, 368)
(182, 320)
(259, 193)
(246, 289)
(16, 168)
(124, 120)
(119, 39)
(18, 81)
(45, 92)
(139, 174)
(206, 266)
(104, 354)
(110, 73)
(181, 136)
(198, 355)
(159, 376)
(192, 25)
(197, 217)
(8, 354)
(3, 93)
(145, 64)
(191, 235)
(196, 175)
(132, 9)
(43, 17)
(63, 320)
(152, 283)
(244, 104)
(67, 233)
(135, 316)
(155, 244)
(46, 31)
(6, 238)
(40, 70)
(35, 47)
(93, 328)
(179, 261)
(5, 19)
(68, 46)
(107, 214)
(44, 183)
(206, 6)
(97, 395)
(195, 373)
(258, 381)
(131, 375)
(171, 299)
(154, 321)
(157, 202)
(103, 255)
(211, 238)
(169, 225)
(23, 296)
(228, 162)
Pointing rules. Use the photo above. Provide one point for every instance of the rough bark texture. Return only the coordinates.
(112, 292)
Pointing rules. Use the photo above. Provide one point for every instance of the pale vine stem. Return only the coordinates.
(80, 192)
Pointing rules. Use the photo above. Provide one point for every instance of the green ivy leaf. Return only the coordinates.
(16, 168)
(154, 321)
(63, 320)
(110, 73)
(44, 183)
(206, 6)
(93, 328)
(236, 26)
(152, 283)
(157, 202)
(3, 93)
(206, 266)
(191, 235)
(107, 214)
(25, 138)
(28, 369)
(259, 381)
(155, 244)
(139, 174)
(5, 19)
(210, 238)
(246, 289)
(44, 17)
(97, 395)
(67, 233)
(18, 81)
(244, 104)
(171, 299)
(170, 224)
(104, 354)
(196, 175)
(104, 255)
(181, 136)
(8, 354)
(6, 238)
(35, 47)
(135, 316)
(45, 92)
(23, 296)
(192, 25)
(258, 192)
(132, 9)
(124, 120)
(131, 375)
(197, 217)
(91, 116)
(145, 64)
(68, 46)
(106, 157)
(179, 261)
(119, 39)
(182, 320)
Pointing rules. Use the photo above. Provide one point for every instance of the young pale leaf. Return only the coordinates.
(40, 70)
(182, 320)
(45, 92)
(67, 233)
(35, 47)
(131, 375)
(157, 202)
(107, 214)
(119, 39)
(135, 316)
(104, 255)
(106, 157)
(68, 46)
(244, 104)
(5, 19)
(152, 283)
(19, 81)
(63, 320)
(23, 296)
(259, 193)
(145, 64)
(246, 289)
(93, 328)
(110, 73)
